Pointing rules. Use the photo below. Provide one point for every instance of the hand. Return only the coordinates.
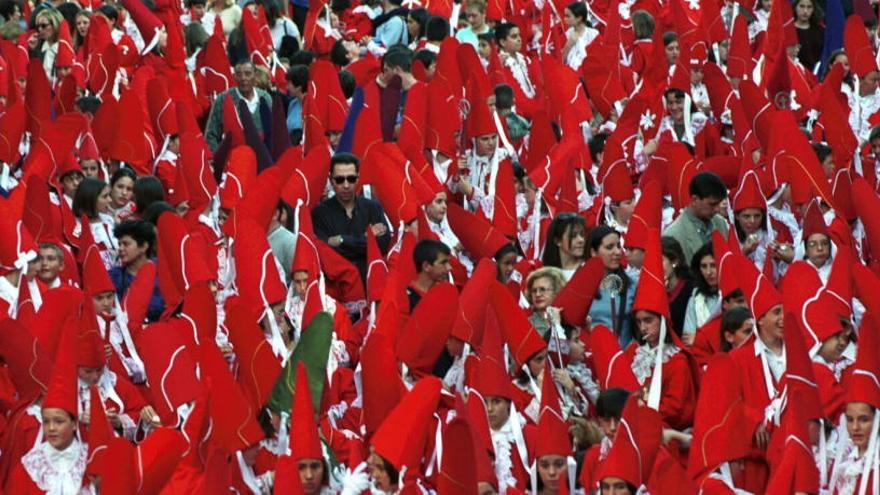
(379, 229)
(688, 338)
(149, 415)
(356, 481)
(563, 378)
(650, 147)
(113, 417)
(335, 241)
(751, 244)
(762, 437)
(782, 252)
(84, 418)
(465, 185)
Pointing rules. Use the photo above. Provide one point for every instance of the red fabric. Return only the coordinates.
(707, 341)
(678, 400)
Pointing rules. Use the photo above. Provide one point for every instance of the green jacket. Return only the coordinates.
(692, 233)
(214, 127)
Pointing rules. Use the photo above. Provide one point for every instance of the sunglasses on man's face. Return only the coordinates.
(339, 179)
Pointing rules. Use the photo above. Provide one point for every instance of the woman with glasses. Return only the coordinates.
(819, 251)
(612, 304)
(542, 285)
(566, 244)
(47, 23)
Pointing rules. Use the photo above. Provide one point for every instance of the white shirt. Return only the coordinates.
(776, 363)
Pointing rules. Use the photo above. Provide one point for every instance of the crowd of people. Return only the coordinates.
(439, 247)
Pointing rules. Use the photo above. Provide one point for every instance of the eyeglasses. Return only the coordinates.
(43, 25)
(540, 290)
(339, 179)
(815, 244)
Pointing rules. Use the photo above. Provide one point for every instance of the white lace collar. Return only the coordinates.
(643, 361)
(57, 472)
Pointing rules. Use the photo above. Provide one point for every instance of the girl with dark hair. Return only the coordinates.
(122, 193)
(416, 25)
(579, 35)
(92, 201)
(705, 300)
(147, 190)
(811, 33)
(565, 247)
(678, 281)
(613, 302)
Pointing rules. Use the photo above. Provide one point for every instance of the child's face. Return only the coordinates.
(485, 49)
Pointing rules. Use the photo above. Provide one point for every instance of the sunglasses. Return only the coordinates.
(342, 178)
(43, 25)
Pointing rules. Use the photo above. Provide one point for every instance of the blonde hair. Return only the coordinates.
(553, 274)
(477, 4)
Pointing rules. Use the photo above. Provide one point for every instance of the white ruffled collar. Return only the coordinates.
(643, 361)
(57, 472)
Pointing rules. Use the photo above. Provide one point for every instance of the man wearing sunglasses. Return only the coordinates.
(343, 219)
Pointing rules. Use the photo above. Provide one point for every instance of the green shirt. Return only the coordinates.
(692, 232)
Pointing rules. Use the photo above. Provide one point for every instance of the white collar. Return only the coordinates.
(760, 347)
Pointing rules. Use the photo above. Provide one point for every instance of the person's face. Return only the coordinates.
(623, 211)
(696, 76)
(129, 250)
(438, 271)
(675, 107)
(506, 265)
(828, 166)
(90, 167)
(844, 60)
(542, 293)
(673, 50)
(311, 472)
(476, 18)
(89, 376)
(818, 249)
(709, 270)
(770, 325)
(536, 362)
(51, 264)
(577, 348)
(121, 192)
(750, 219)
(832, 349)
(573, 242)
(766, 5)
(485, 488)
(875, 148)
(609, 426)
(570, 19)
(45, 29)
(280, 320)
(723, 49)
(70, 182)
(487, 144)
(198, 11)
(648, 325)
(245, 75)
(300, 283)
(739, 336)
(635, 257)
(804, 10)
(413, 27)
(859, 419)
(484, 49)
(498, 410)
(103, 302)
(103, 203)
(609, 250)
(869, 83)
(381, 478)
(513, 42)
(345, 179)
(613, 486)
(82, 25)
(436, 210)
(550, 469)
(705, 208)
(333, 137)
(58, 427)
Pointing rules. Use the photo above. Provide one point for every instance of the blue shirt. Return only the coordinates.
(122, 279)
(294, 115)
(392, 32)
(600, 312)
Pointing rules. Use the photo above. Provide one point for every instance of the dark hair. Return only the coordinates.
(420, 16)
(437, 28)
(348, 83)
(427, 251)
(561, 224)
(740, 233)
(85, 200)
(816, 17)
(344, 158)
(504, 97)
(121, 173)
(298, 76)
(822, 151)
(302, 57)
(678, 93)
(140, 231)
(732, 319)
(398, 57)
(597, 145)
(707, 185)
(147, 190)
(286, 211)
(502, 31)
(697, 274)
(88, 104)
(68, 12)
(7, 9)
(339, 54)
(578, 9)
(611, 402)
(669, 37)
(673, 252)
(594, 239)
(426, 57)
(273, 11)
(109, 12)
(155, 210)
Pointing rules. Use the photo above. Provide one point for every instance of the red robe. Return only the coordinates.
(831, 392)
(16, 440)
(707, 342)
(678, 399)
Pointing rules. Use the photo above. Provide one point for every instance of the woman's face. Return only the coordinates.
(669, 270)
(750, 220)
(804, 10)
(859, 419)
(58, 427)
(614, 486)
(832, 349)
(45, 29)
(506, 265)
(673, 50)
(542, 293)
(550, 469)
(381, 478)
(624, 210)
(818, 249)
(739, 336)
(311, 473)
(571, 20)
(121, 192)
(412, 26)
(577, 349)
(648, 324)
(102, 205)
(82, 25)
(709, 270)
(609, 251)
(498, 410)
(536, 363)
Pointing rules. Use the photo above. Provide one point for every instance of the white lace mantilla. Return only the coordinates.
(57, 472)
(643, 362)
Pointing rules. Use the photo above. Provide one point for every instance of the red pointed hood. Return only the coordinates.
(748, 193)
(148, 24)
(863, 385)
(522, 339)
(382, 387)
(635, 445)
(473, 304)
(814, 221)
(612, 366)
(170, 368)
(423, 339)
(479, 238)
(576, 296)
(492, 378)
(62, 390)
(759, 291)
(651, 292)
(647, 215)
(862, 60)
(303, 426)
(100, 435)
(552, 437)
(241, 171)
(401, 438)
(725, 263)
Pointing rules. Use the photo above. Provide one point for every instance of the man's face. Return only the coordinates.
(486, 145)
(130, 251)
(476, 18)
(70, 182)
(675, 107)
(344, 177)
(198, 11)
(513, 42)
(705, 208)
(439, 269)
(90, 168)
(301, 283)
(103, 302)
(245, 74)
(436, 210)
(51, 264)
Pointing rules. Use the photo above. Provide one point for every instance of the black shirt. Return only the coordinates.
(329, 219)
